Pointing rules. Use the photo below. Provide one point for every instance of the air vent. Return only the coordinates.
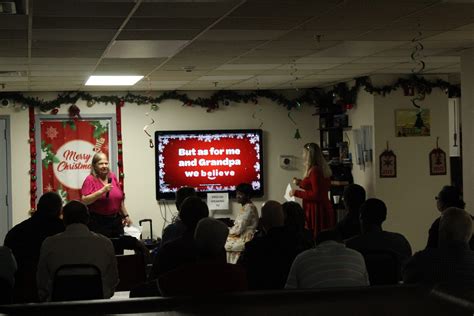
(10, 76)
(7, 7)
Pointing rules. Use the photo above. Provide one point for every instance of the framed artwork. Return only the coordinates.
(412, 122)
(437, 162)
(388, 164)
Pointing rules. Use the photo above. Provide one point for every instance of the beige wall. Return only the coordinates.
(362, 114)
(467, 111)
(139, 160)
(410, 196)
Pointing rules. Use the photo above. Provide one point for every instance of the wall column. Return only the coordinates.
(467, 119)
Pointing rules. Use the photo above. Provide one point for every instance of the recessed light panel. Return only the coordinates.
(113, 80)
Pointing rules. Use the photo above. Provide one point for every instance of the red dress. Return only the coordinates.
(317, 207)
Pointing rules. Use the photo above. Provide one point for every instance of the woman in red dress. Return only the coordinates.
(316, 204)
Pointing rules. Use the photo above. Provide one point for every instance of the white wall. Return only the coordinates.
(139, 160)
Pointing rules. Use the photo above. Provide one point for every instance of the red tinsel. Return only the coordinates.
(118, 113)
(33, 188)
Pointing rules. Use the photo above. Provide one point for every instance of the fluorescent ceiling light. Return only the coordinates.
(113, 80)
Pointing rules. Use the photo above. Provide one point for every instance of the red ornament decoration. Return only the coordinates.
(74, 111)
(409, 90)
(121, 103)
(54, 111)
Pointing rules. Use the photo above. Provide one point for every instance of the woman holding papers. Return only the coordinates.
(315, 184)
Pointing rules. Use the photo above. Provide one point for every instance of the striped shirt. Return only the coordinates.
(330, 264)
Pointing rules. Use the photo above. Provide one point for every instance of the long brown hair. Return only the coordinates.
(315, 158)
(97, 157)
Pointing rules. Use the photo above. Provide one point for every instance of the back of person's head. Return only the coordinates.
(354, 196)
(328, 235)
(75, 212)
(294, 216)
(455, 225)
(182, 194)
(373, 212)
(245, 188)
(210, 237)
(192, 210)
(272, 215)
(449, 196)
(49, 205)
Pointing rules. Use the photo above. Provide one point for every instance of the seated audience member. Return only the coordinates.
(373, 213)
(181, 250)
(353, 197)
(449, 196)
(328, 265)
(76, 245)
(452, 263)
(268, 258)
(177, 228)
(25, 241)
(294, 224)
(211, 273)
(7, 274)
(245, 224)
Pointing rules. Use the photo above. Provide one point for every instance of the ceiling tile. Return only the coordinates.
(73, 35)
(144, 49)
(131, 35)
(240, 35)
(247, 66)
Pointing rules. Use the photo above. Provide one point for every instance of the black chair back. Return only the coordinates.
(132, 271)
(74, 282)
(383, 267)
(6, 291)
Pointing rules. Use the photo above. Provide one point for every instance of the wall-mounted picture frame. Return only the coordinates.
(388, 164)
(438, 165)
(412, 122)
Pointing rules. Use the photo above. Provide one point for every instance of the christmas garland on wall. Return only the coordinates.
(340, 94)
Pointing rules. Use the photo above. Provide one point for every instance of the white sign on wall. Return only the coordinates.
(218, 201)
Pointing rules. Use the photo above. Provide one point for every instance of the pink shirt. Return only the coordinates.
(103, 205)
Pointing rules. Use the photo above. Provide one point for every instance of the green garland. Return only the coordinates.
(340, 94)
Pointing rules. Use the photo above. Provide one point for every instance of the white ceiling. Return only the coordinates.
(228, 44)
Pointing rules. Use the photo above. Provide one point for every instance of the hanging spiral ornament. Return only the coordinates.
(418, 66)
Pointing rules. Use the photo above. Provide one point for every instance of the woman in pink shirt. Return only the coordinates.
(101, 192)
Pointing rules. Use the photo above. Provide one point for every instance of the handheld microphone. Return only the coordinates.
(109, 180)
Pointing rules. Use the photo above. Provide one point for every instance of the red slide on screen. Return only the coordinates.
(216, 162)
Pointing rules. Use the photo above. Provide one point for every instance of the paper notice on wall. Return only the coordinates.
(287, 195)
(218, 201)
